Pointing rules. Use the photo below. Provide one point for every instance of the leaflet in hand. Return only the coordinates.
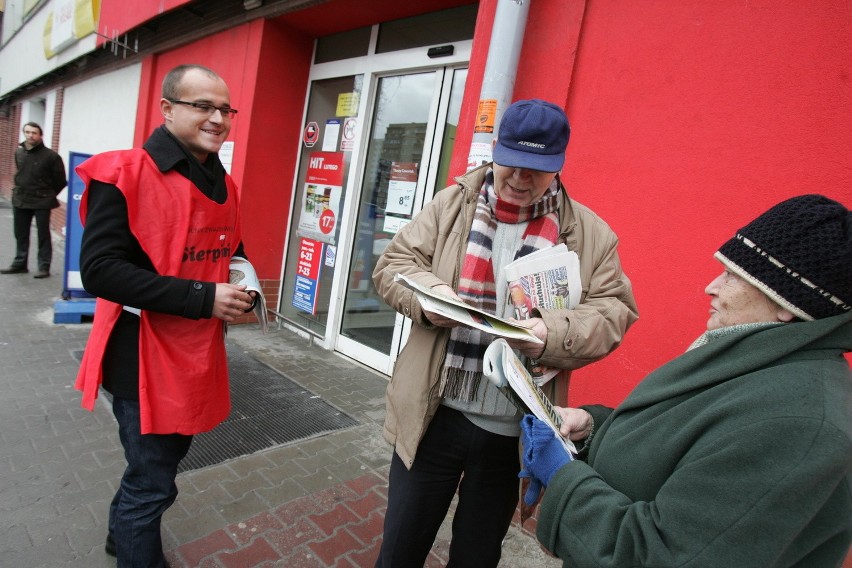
(548, 279)
(242, 272)
(466, 314)
(503, 368)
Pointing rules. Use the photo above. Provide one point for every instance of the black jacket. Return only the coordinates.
(39, 179)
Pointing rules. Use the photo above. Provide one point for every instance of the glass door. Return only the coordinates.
(413, 124)
(320, 200)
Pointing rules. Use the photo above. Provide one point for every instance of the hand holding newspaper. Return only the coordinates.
(547, 279)
(242, 272)
(503, 368)
(466, 314)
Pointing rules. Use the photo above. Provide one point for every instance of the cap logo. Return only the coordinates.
(532, 144)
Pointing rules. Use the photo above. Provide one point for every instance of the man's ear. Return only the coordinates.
(785, 316)
(166, 108)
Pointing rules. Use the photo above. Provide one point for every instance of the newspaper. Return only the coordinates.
(466, 314)
(242, 272)
(503, 368)
(548, 279)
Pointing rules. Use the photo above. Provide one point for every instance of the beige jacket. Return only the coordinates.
(431, 248)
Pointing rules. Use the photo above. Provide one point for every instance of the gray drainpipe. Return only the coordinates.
(501, 66)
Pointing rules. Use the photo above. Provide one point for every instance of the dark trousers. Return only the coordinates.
(23, 219)
(453, 450)
(146, 490)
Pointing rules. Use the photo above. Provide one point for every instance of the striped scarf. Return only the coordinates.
(462, 369)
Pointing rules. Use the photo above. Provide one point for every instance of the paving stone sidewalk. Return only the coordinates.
(317, 502)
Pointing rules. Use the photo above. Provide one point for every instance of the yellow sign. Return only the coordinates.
(85, 14)
(347, 104)
(70, 21)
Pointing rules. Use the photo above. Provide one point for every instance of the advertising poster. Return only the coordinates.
(401, 188)
(73, 285)
(306, 287)
(480, 154)
(485, 116)
(332, 131)
(321, 196)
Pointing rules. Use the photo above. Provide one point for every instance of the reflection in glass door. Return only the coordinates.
(413, 126)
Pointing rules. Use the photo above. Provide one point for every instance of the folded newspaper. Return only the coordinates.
(242, 272)
(503, 368)
(547, 279)
(461, 312)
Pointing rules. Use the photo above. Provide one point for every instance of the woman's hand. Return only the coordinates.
(576, 423)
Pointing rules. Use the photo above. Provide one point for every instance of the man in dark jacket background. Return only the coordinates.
(39, 179)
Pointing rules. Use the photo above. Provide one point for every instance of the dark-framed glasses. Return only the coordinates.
(207, 108)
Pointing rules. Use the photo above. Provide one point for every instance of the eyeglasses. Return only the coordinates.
(207, 108)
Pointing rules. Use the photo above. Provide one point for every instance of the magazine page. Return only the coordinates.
(242, 272)
(548, 278)
(503, 368)
(466, 314)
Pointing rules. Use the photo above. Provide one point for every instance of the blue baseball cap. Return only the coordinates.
(533, 134)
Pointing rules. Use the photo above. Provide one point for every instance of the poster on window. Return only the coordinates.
(321, 196)
(401, 188)
(308, 270)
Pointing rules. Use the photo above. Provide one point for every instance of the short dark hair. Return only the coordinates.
(171, 82)
(34, 125)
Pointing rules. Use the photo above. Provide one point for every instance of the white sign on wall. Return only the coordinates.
(62, 32)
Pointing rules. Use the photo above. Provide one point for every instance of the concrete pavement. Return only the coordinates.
(317, 502)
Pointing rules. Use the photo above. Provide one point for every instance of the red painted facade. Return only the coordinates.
(688, 119)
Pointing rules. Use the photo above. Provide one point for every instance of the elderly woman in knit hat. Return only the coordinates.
(738, 452)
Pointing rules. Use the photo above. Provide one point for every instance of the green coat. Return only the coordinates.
(736, 454)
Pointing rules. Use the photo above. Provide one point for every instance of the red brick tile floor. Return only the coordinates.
(339, 527)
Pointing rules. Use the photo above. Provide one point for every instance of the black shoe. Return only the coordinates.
(14, 270)
(109, 547)
(41, 274)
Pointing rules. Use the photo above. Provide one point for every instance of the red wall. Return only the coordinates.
(688, 120)
(273, 143)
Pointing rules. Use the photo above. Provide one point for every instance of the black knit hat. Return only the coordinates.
(799, 253)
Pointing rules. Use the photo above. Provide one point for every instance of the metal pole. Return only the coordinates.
(501, 67)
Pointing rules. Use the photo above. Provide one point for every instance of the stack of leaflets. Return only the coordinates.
(242, 272)
(548, 279)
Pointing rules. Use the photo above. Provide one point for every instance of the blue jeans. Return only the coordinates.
(146, 490)
(453, 450)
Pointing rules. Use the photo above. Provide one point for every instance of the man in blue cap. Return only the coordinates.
(450, 428)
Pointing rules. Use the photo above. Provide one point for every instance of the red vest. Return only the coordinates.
(183, 369)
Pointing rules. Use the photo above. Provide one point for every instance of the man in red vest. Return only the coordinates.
(161, 225)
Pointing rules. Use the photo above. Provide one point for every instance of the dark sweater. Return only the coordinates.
(113, 265)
